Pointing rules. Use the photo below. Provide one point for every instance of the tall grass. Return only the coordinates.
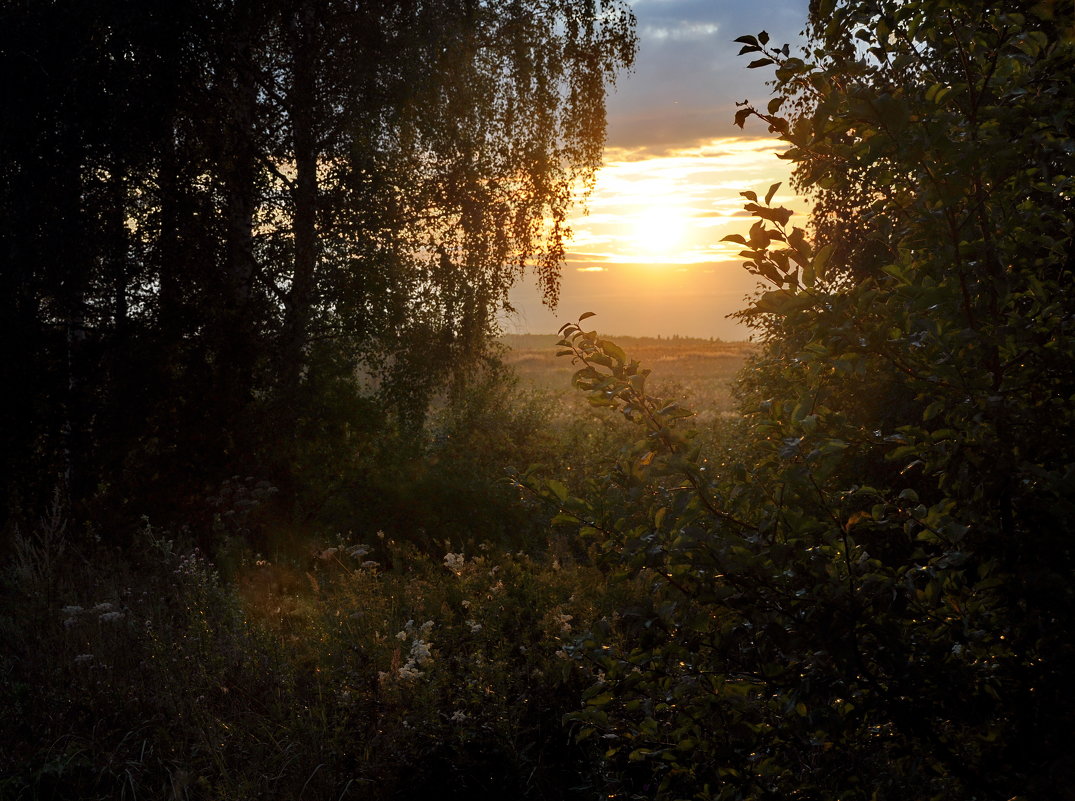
(374, 671)
(429, 656)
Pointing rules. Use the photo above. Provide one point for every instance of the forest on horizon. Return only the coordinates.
(286, 515)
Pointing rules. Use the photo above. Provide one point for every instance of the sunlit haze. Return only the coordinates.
(647, 258)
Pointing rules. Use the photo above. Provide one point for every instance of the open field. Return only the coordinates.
(699, 372)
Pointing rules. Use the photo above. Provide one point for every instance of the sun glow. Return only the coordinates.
(648, 257)
(659, 233)
(675, 208)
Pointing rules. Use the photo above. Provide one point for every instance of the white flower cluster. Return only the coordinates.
(196, 568)
(105, 611)
(456, 562)
(356, 552)
(420, 655)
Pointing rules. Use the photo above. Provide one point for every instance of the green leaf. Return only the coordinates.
(583, 374)
(821, 259)
(779, 215)
(558, 489)
(931, 411)
(613, 350)
(675, 411)
(600, 700)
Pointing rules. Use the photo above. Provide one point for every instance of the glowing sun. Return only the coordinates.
(659, 232)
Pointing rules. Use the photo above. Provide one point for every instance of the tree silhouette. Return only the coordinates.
(214, 211)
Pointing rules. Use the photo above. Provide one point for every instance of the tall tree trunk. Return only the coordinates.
(302, 110)
(235, 344)
(168, 245)
(73, 255)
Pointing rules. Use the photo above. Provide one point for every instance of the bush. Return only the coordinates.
(866, 599)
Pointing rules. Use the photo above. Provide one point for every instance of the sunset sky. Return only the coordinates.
(648, 258)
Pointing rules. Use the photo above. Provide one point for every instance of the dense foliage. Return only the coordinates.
(213, 215)
(872, 598)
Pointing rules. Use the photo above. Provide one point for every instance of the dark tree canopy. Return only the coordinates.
(872, 599)
(213, 213)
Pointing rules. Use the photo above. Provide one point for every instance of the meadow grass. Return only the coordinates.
(377, 664)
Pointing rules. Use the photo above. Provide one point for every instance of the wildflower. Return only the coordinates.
(110, 617)
(455, 562)
(82, 659)
(427, 627)
(370, 564)
(475, 626)
(71, 610)
(401, 635)
(565, 622)
(562, 654)
(358, 551)
(102, 607)
(69, 622)
(420, 653)
(408, 672)
(459, 716)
